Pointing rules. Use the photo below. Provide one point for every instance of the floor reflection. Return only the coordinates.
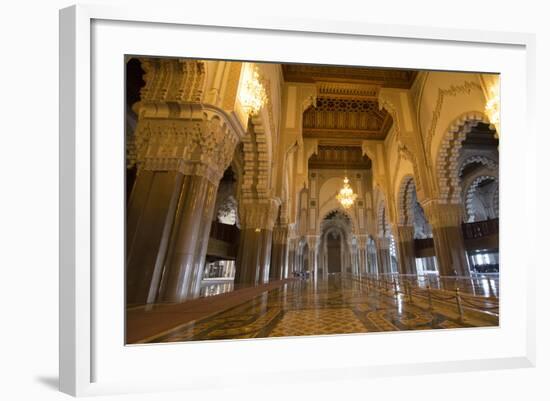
(337, 305)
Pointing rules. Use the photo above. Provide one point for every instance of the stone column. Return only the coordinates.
(405, 249)
(254, 257)
(180, 149)
(291, 267)
(313, 256)
(383, 253)
(181, 154)
(446, 222)
(279, 253)
(362, 255)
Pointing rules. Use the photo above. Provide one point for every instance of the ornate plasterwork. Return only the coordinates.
(201, 143)
(343, 90)
(383, 226)
(257, 162)
(482, 159)
(449, 151)
(453, 90)
(175, 132)
(260, 214)
(406, 199)
(172, 80)
(470, 190)
(337, 218)
(346, 118)
(405, 144)
(417, 88)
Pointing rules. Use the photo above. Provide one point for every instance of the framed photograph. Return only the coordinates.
(288, 190)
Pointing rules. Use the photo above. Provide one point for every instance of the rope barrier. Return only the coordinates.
(404, 286)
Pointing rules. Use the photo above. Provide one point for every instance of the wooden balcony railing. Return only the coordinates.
(224, 232)
(480, 229)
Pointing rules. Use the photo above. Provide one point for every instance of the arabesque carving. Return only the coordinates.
(202, 144)
(260, 214)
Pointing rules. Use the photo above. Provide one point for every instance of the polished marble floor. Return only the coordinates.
(336, 305)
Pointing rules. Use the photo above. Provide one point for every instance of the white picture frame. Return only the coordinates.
(91, 360)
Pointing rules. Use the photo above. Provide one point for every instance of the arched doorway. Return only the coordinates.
(336, 233)
(334, 252)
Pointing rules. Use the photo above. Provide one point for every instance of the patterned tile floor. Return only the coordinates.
(337, 305)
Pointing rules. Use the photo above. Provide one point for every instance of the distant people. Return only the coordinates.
(487, 268)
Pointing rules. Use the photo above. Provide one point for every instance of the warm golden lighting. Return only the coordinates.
(346, 197)
(252, 95)
(492, 108)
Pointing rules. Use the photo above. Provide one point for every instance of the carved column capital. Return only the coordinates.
(172, 80)
(192, 139)
(280, 234)
(313, 241)
(443, 214)
(383, 242)
(259, 214)
(405, 233)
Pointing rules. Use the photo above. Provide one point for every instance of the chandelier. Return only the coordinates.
(252, 94)
(346, 197)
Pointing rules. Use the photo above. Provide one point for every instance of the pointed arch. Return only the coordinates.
(447, 174)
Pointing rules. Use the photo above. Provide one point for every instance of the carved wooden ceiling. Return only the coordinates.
(346, 119)
(388, 78)
(339, 157)
(347, 100)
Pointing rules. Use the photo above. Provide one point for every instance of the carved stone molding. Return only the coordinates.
(195, 140)
(173, 80)
(453, 90)
(406, 199)
(346, 90)
(470, 188)
(382, 220)
(447, 168)
(482, 159)
(257, 163)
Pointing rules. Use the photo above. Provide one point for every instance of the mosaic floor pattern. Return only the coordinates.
(337, 305)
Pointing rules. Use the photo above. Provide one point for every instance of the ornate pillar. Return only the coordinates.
(291, 262)
(362, 254)
(279, 252)
(405, 249)
(383, 253)
(254, 256)
(181, 150)
(446, 222)
(313, 256)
